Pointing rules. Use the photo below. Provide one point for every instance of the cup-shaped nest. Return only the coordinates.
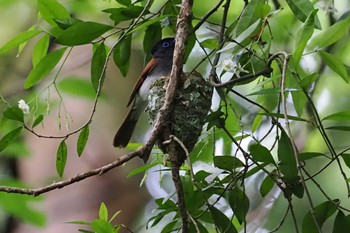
(190, 108)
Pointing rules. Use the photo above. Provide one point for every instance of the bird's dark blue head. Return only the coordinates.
(164, 48)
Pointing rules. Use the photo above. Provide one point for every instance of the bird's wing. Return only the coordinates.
(149, 67)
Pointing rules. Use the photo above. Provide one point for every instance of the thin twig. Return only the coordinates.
(295, 149)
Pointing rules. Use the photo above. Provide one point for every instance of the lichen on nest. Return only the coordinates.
(190, 107)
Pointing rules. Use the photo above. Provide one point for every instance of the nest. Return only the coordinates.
(190, 108)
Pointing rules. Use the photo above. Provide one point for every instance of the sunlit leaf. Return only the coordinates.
(335, 64)
(51, 9)
(121, 55)
(44, 67)
(40, 49)
(61, 158)
(102, 226)
(19, 39)
(82, 140)
(82, 33)
(301, 9)
(321, 213)
(9, 138)
(103, 212)
(330, 35)
(261, 153)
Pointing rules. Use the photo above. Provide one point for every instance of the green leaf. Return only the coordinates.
(103, 212)
(227, 162)
(330, 35)
(346, 158)
(261, 153)
(191, 41)
(321, 212)
(19, 39)
(61, 158)
(239, 203)
(44, 67)
(141, 169)
(340, 128)
(9, 138)
(119, 15)
(102, 226)
(121, 55)
(14, 113)
(266, 186)
(340, 223)
(221, 221)
(124, 2)
(304, 35)
(280, 115)
(40, 49)
(66, 23)
(339, 116)
(274, 90)
(51, 9)
(147, 23)
(77, 87)
(285, 153)
(82, 33)
(210, 43)
(249, 15)
(309, 80)
(310, 155)
(335, 64)
(97, 67)
(153, 34)
(82, 140)
(38, 120)
(257, 121)
(233, 46)
(301, 9)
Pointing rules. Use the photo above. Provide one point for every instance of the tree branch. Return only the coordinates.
(82, 176)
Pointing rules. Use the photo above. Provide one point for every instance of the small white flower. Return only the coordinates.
(23, 106)
(228, 65)
(231, 66)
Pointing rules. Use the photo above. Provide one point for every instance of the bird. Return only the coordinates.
(160, 65)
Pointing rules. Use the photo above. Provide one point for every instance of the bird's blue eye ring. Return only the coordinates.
(165, 44)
